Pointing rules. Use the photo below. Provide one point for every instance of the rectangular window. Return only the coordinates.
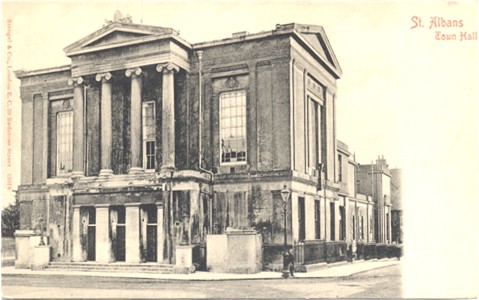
(323, 140)
(332, 221)
(149, 135)
(301, 219)
(233, 127)
(64, 142)
(314, 134)
(317, 220)
(387, 228)
(340, 167)
(354, 228)
(342, 223)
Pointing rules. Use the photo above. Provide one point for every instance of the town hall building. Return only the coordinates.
(145, 144)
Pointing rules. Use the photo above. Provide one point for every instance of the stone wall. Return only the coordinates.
(234, 252)
(262, 69)
(36, 92)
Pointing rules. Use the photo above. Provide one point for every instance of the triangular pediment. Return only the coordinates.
(117, 34)
(315, 37)
(318, 45)
(116, 37)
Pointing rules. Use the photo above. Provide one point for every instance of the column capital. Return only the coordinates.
(76, 81)
(135, 72)
(167, 68)
(103, 77)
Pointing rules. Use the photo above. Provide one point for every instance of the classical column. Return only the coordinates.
(135, 120)
(132, 234)
(77, 251)
(168, 115)
(103, 242)
(106, 134)
(159, 232)
(78, 138)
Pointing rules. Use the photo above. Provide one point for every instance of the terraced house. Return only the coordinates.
(149, 149)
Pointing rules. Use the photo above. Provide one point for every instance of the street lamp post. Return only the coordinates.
(285, 193)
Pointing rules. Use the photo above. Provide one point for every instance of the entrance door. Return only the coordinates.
(149, 232)
(88, 232)
(117, 221)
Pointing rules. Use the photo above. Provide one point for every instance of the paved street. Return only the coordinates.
(379, 283)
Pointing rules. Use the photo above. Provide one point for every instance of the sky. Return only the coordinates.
(404, 93)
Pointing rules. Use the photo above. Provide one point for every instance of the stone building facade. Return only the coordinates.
(146, 142)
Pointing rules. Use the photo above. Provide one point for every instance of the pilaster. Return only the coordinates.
(159, 232)
(132, 234)
(77, 251)
(103, 242)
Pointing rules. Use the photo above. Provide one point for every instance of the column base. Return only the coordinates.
(135, 170)
(106, 172)
(77, 174)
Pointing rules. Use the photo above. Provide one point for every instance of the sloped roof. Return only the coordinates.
(118, 34)
(312, 37)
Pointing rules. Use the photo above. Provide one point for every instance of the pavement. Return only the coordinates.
(335, 270)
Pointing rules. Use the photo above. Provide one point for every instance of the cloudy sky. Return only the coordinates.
(404, 94)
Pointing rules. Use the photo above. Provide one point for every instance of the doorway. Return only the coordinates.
(149, 232)
(88, 233)
(117, 231)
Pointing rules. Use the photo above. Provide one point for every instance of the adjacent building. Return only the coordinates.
(397, 208)
(146, 142)
(375, 180)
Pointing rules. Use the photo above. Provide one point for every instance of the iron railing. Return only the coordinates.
(316, 251)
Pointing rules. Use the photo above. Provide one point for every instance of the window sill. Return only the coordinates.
(233, 164)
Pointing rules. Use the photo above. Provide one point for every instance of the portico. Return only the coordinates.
(130, 71)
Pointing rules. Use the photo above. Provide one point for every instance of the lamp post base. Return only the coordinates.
(285, 274)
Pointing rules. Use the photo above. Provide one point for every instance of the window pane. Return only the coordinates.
(226, 123)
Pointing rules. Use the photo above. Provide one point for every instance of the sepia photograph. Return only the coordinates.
(226, 149)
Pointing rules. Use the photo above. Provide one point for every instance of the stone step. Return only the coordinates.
(113, 267)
